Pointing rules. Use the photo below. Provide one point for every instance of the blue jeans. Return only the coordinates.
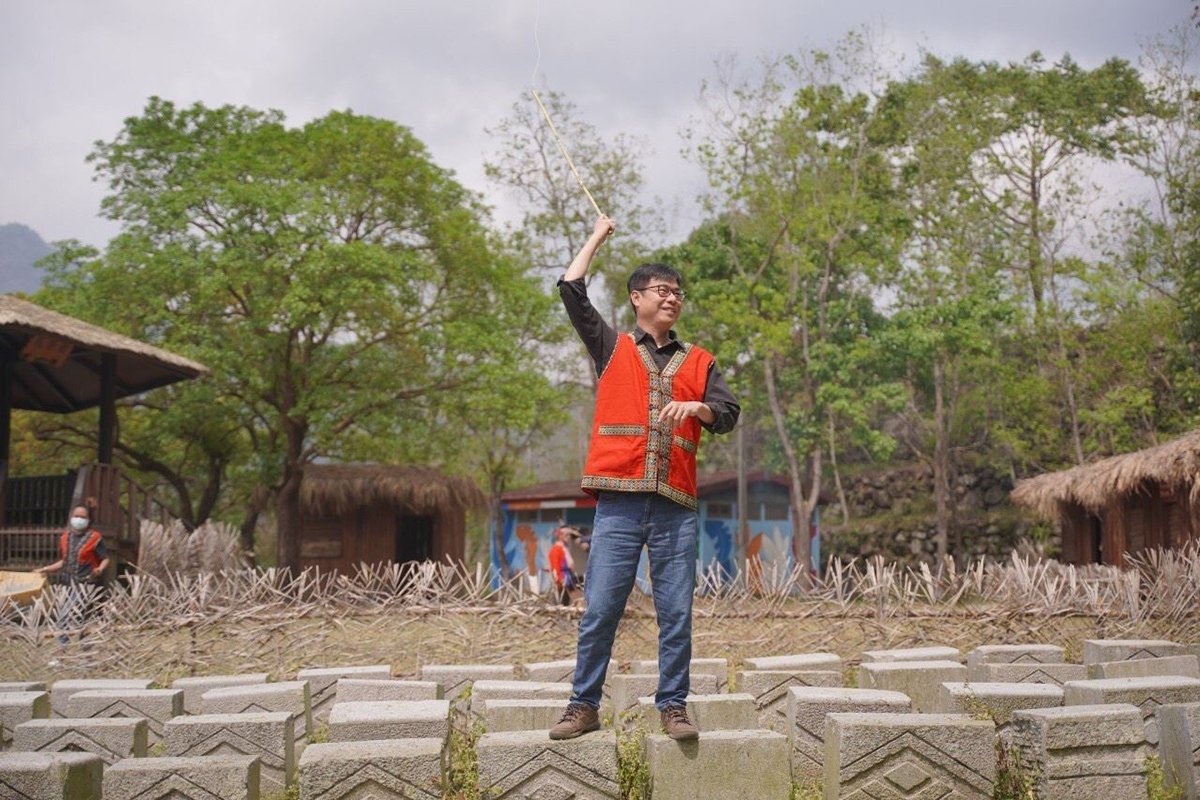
(626, 521)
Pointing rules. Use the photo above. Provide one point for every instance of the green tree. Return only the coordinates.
(556, 217)
(328, 274)
(805, 194)
(1040, 128)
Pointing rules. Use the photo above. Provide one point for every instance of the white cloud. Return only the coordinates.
(70, 72)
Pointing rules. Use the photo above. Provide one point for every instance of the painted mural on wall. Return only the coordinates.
(529, 534)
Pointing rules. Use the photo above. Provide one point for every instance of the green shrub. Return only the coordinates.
(1156, 782)
(633, 774)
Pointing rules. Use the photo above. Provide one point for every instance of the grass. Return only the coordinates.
(320, 733)
(809, 790)
(633, 773)
(462, 775)
(1156, 782)
(1012, 782)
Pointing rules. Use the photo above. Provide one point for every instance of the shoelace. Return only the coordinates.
(678, 714)
(573, 712)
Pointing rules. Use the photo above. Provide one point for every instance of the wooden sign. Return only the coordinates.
(42, 348)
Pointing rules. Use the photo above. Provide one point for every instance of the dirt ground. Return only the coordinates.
(282, 644)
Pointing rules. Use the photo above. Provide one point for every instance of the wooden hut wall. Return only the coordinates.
(363, 535)
(1076, 528)
(368, 535)
(449, 535)
(1113, 541)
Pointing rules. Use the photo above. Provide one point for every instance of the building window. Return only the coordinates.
(720, 511)
(527, 517)
(773, 509)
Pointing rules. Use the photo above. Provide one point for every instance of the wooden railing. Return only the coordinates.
(36, 510)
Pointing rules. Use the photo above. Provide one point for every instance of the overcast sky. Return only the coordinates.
(71, 71)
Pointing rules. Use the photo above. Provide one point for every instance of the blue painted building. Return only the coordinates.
(532, 514)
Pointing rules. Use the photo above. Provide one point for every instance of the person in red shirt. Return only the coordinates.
(82, 559)
(562, 566)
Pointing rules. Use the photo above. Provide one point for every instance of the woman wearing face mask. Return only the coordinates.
(83, 559)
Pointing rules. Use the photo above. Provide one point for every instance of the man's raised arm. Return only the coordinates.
(603, 229)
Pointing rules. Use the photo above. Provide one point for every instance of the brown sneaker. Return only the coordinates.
(578, 719)
(676, 723)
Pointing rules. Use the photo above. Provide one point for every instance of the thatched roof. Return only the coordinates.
(76, 384)
(1093, 486)
(336, 489)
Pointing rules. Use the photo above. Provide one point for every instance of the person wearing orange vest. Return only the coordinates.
(83, 558)
(562, 566)
(654, 395)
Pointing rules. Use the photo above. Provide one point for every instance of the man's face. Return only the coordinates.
(652, 308)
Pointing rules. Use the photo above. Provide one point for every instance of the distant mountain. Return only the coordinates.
(20, 248)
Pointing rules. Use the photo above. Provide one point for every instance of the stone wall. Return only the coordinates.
(892, 514)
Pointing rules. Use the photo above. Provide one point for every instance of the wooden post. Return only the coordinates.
(6, 382)
(740, 537)
(108, 407)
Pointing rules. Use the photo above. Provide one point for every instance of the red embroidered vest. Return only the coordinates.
(87, 553)
(630, 450)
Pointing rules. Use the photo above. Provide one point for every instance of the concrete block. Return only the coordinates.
(898, 756)
(1082, 752)
(807, 707)
(1014, 654)
(1145, 693)
(290, 696)
(522, 715)
(194, 687)
(802, 662)
(932, 653)
(205, 778)
(627, 689)
(698, 666)
(1056, 674)
(485, 691)
(357, 690)
(517, 765)
(769, 689)
(392, 719)
(1096, 651)
(1187, 666)
(322, 683)
(155, 705)
(920, 680)
(457, 678)
(110, 739)
(393, 769)
(561, 671)
(720, 765)
(1179, 747)
(61, 691)
(50, 776)
(997, 701)
(270, 736)
(708, 712)
(22, 686)
(18, 707)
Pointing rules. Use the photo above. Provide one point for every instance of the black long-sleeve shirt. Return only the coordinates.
(600, 340)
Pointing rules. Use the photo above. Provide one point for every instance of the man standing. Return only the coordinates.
(654, 395)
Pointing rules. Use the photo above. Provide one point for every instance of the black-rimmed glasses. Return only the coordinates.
(663, 290)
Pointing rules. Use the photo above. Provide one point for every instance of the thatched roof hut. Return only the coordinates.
(339, 488)
(75, 381)
(354, 513)
(1124, 503)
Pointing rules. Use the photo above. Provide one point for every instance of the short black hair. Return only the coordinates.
(644, 275)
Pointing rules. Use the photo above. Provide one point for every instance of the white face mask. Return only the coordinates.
(79, 523)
